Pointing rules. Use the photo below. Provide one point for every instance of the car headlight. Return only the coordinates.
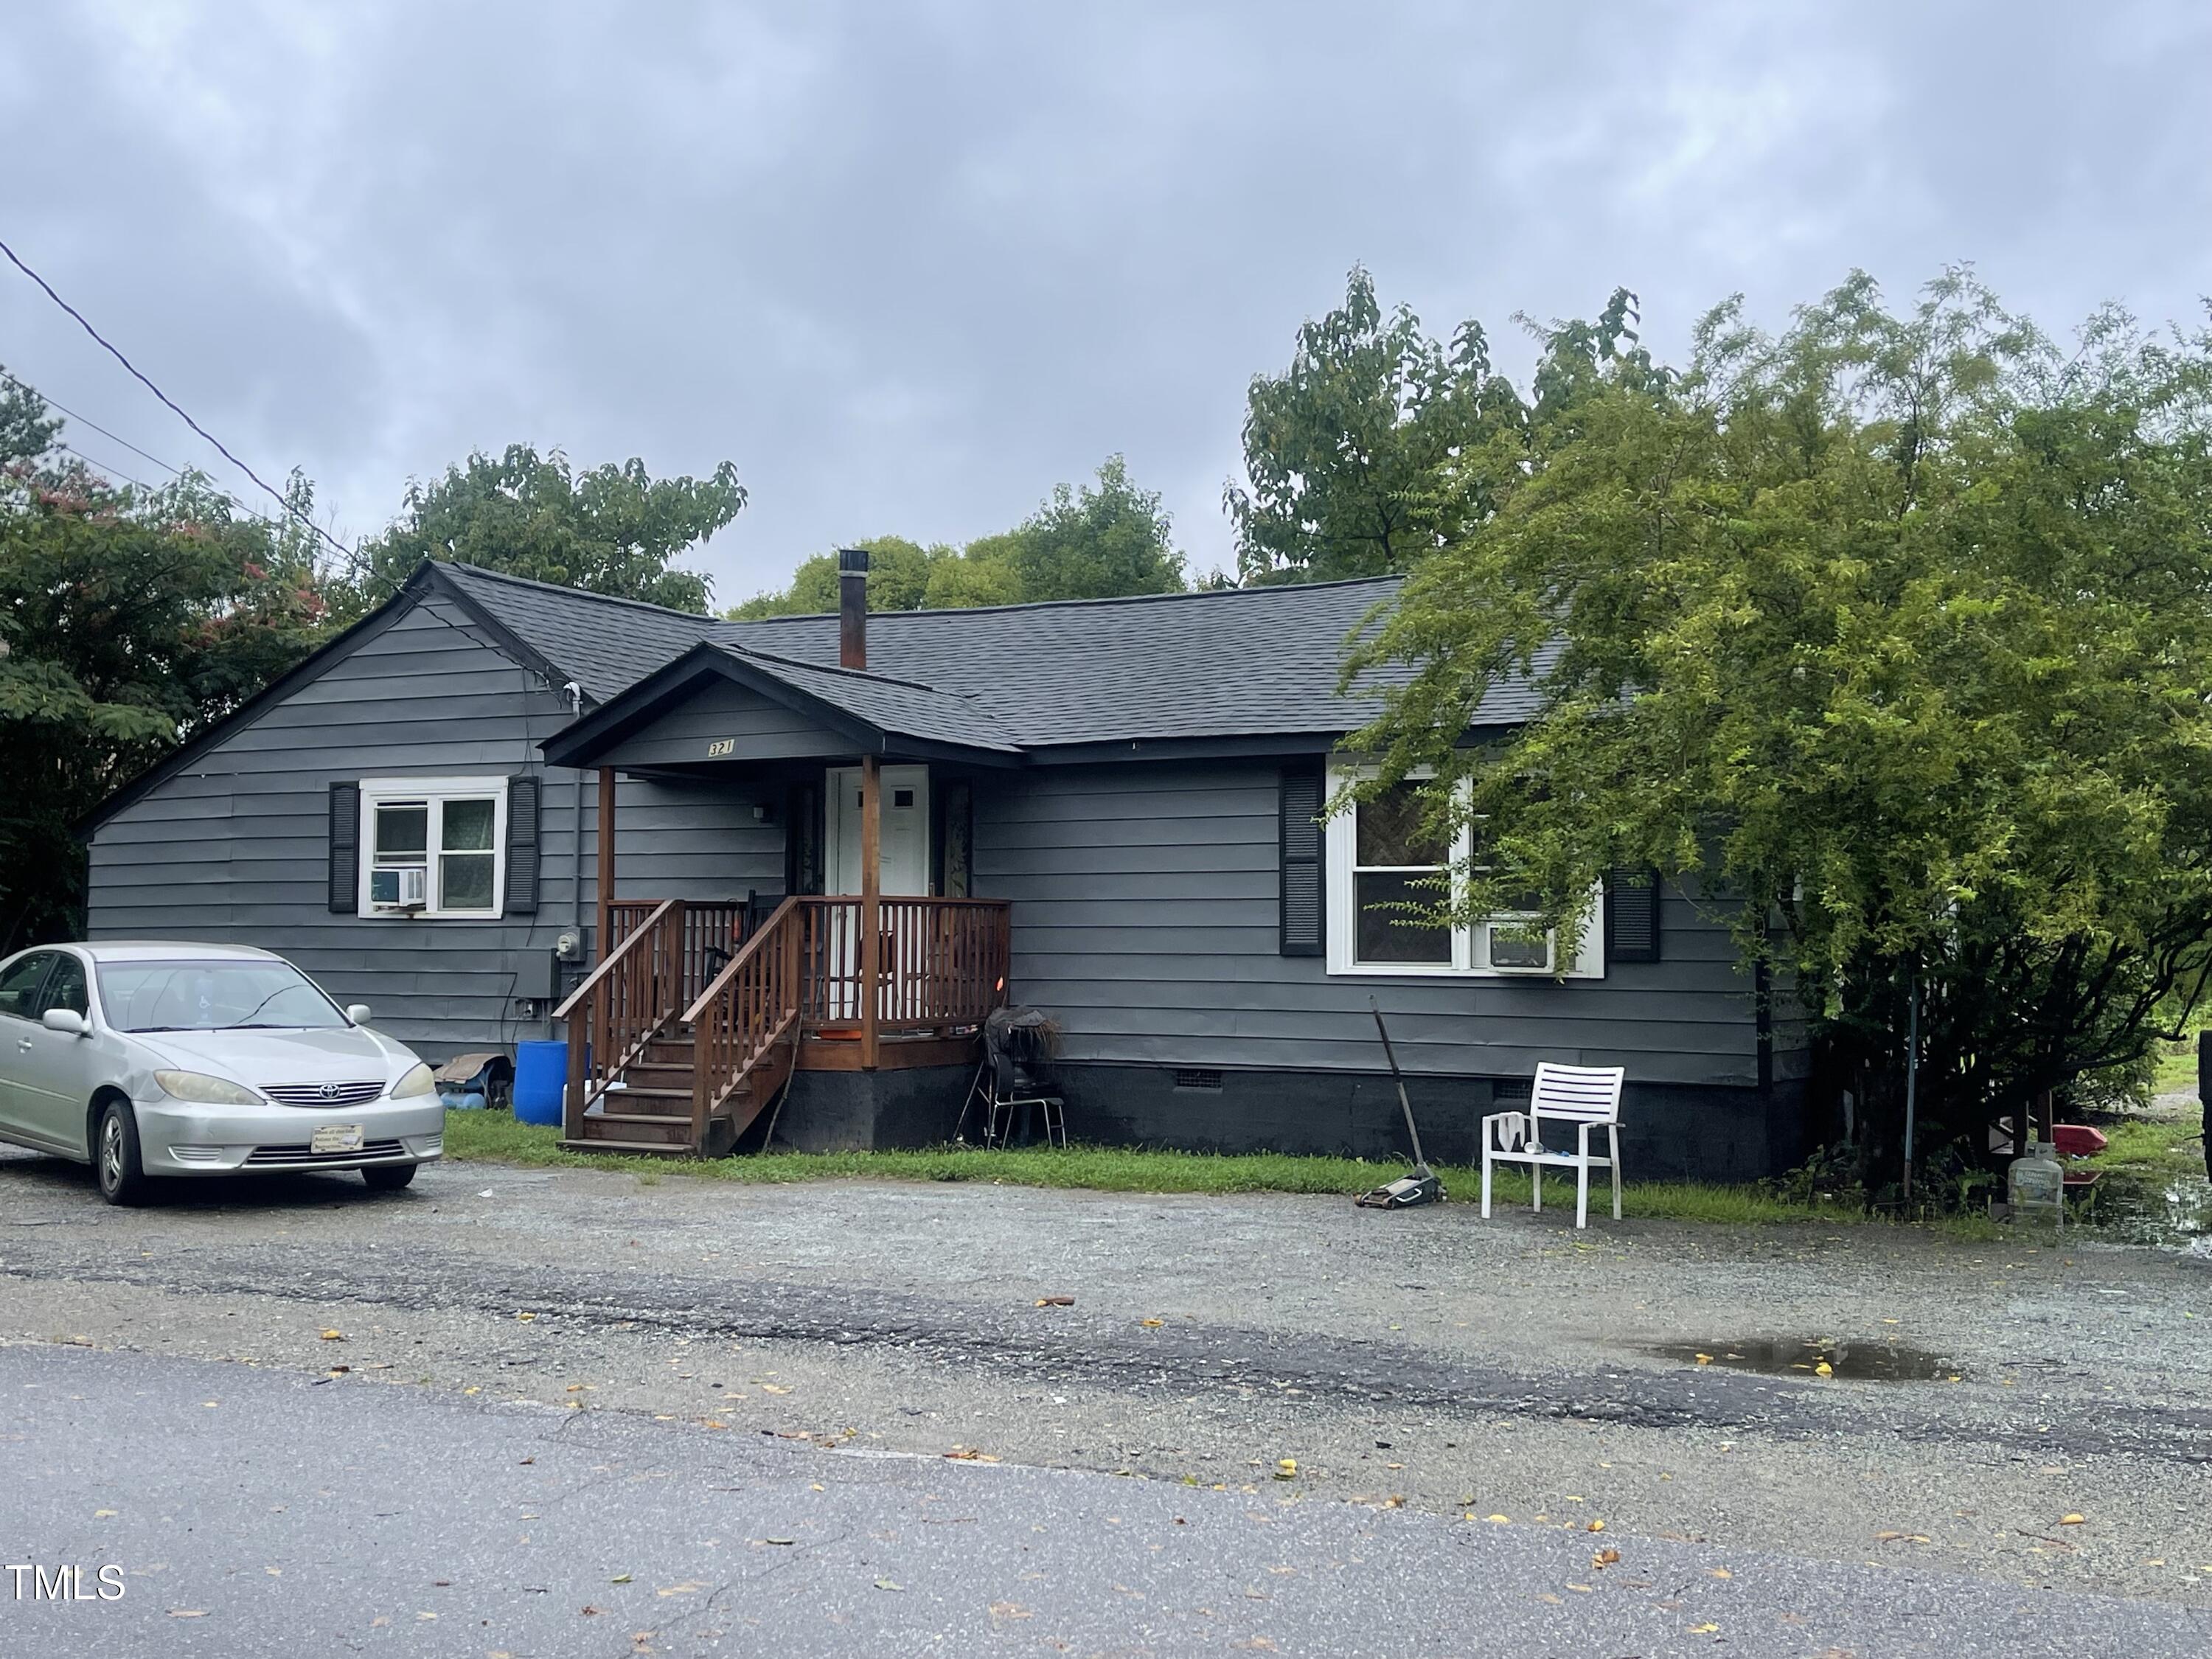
(204, 1090)
(417, 1081)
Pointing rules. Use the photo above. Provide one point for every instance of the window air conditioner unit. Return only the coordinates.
(398, 887)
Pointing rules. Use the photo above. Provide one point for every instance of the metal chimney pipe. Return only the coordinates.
(851, 607)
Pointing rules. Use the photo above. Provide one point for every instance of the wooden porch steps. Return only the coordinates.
(651, 1113)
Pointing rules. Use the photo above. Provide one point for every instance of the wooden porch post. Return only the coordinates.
(606, 860)
(592, 1018)
(871, 884)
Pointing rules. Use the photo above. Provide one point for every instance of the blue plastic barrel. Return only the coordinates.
(541, 1074)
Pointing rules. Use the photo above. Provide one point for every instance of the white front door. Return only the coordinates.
(906, 831)
(905, 863)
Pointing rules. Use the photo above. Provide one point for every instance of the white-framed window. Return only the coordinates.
(435, 847)
(1379, 857)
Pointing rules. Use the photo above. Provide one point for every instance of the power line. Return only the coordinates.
(273, 494)
(94, 462)
(175, 472)
(109, 470)
(85, 420)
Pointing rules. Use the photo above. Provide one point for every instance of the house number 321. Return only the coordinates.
(721, 746)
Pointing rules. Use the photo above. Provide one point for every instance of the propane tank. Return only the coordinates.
(2035, 1186)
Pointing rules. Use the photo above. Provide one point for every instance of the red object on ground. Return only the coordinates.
(2077, 1140)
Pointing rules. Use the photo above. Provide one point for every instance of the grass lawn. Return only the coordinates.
(2153, 1148)
(497, 1138)
(2177, 1067)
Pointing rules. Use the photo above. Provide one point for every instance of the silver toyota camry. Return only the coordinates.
(146, 1058)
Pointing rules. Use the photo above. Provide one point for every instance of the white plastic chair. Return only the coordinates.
(1588, 1097)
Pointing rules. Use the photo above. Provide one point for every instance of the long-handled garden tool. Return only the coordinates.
(1421, 1185)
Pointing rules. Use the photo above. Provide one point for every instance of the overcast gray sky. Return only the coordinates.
(908, 264)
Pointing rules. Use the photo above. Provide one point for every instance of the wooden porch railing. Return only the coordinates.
(745, 1022)
(713, 929)
(615, 1014)
(940, 967)
(942, 963)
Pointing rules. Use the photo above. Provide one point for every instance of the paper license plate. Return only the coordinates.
(337, 1138)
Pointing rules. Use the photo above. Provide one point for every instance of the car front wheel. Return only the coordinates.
(388, 1178)
(115, 1161)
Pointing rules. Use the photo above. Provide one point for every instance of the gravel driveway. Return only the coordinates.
(1428, 1359)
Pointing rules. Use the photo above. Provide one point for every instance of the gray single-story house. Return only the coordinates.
(493, 798)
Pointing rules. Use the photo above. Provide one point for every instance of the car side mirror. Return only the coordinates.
(358, 1013)
(67, 1021)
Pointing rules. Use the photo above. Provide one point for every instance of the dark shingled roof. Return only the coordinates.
(605, 645)
(886, 703)
(1239, 662)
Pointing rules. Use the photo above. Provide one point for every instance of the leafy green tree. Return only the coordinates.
(28, 428)
(128, 622)
(981, 573)
(612, 529)
(1346, 451)
(1095, 543)
(1897, 631)
(899, 575)
(813, 591)
(1102, 541)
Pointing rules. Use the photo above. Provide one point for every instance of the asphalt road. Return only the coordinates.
(1420, 1368)
(255, 1512)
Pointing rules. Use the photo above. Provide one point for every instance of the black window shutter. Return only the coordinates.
(1631, 915)
(1304, 792)
(522, 801)
(345, 848)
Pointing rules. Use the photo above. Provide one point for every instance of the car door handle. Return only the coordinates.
(24, 1043)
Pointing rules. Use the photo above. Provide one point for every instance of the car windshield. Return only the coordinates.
(215, 994)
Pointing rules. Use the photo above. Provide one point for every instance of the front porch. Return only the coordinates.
(698, 1015)
(701, 1013)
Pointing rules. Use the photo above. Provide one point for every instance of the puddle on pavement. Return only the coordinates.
(2173, 1211)
(1860, 1362)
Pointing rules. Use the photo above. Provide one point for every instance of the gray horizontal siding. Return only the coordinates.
(1144, 898)
(695, 841)
(1144, 919)
(721, 711)
(235, 851)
